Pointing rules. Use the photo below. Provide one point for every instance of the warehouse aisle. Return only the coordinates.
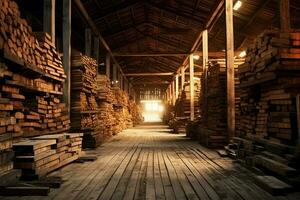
(149, 162)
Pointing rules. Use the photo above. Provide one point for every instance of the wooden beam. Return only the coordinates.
(150, 74)
(114, 73)
(107, 65)
(192, 89)
(96, 49)
(49, 18)
(285, 21)
(298, 120)
(230, 68)
(66, 29)
(173, 93)
(126, 54)
(205, 65)
(182, 78)
(176, 86)
(88, 41)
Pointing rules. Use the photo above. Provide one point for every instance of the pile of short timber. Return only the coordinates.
(35, 49)
(105, 105)
(213, 124)
(31, 79)
(270, 88)
(136, 112)
(121, 110)
(40, 155)
(84, 106)
(182, 107)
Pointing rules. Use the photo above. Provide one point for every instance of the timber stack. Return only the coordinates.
(136, 113)
(270, 82)
(121, 110)
(213, 124)
(182, 107)
(84, 108)
(31, 77)
(38, 156)
(105, 99)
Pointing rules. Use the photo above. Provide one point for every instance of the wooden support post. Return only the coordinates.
(121, 82)
(177, 86)
(285, 22)
(96, 49)
(182, 78)
(88, 41)
(298, 120)
(173, 93)
(192, 90)
(170, 94)
(107, 65)
(204, 65)
(114, 73)
(66, 29)
(230, 68)
(49, 18)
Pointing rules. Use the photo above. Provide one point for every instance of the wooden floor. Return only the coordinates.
(149, 162)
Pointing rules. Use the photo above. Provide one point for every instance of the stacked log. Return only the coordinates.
(213, 123)
(43, 154)
(136, 112)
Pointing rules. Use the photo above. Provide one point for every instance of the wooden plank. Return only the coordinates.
(285, 21)
(182, 78)
(159, 189)
(66, 20)
(49, 18)
(192, 88)
(173, 93)
(176, 86)
(24, 191)
(88, 42)
(230, 68)
(205, 66)
(107, 65)
(273, 185)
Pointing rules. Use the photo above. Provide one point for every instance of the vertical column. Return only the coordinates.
(298, 120)
(107, 65)
(176, 86)
(96, 49)
(88, 41)
(121, 82)
(192, 108)
(230, 68)
(49, 18)
(285, 23)
(204, 65)
(114, 73)
(67, 51)
(173, 93)
(182, 78)
(170, 94)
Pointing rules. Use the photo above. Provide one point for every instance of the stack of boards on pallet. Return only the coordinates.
(40, 155)
(121, 110)
(136, 113)
(84, 107)
(270, 88)
(105, 99)
(31, 79)
(182, 107)
(213, 102)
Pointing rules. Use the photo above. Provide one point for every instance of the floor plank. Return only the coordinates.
(149, 162)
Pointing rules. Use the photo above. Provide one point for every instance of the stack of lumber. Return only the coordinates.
(182, 107)
(44, 114)
(40, 155)
(104, 92)
(36, 49)
(84, 106)
(270, 82)
(136, 112)
(31, 79)
(213, 124)
(121, 110)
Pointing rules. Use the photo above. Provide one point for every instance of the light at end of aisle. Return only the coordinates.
(242, 54)
(196, 57)
(237, 5)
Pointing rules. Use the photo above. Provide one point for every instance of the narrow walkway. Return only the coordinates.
(149, 162)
